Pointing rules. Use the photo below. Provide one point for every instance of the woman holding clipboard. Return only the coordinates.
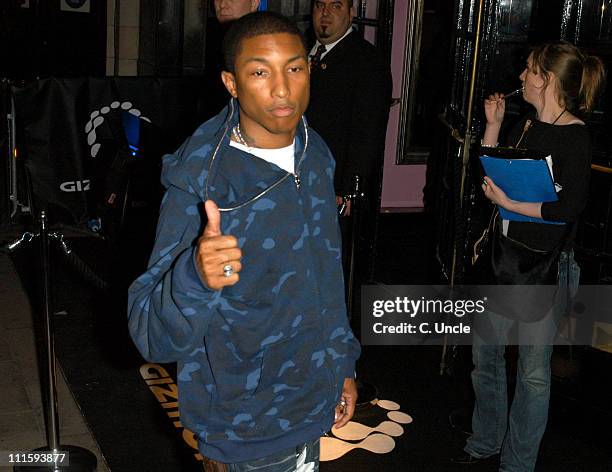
(559, 81)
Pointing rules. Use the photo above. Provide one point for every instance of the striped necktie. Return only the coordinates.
(315, 59)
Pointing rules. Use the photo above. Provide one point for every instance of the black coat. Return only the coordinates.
(350, 96)
(216, 95)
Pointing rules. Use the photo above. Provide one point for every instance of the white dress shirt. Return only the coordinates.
(330, 46)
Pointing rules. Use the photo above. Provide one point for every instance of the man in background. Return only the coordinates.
(230, 10)
(349, 107)
(226, 12)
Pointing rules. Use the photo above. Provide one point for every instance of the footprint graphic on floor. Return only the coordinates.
(354, 431)
(394, 414)
(377, 439)
(332, 448)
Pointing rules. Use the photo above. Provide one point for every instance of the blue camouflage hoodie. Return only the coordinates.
(260, 364)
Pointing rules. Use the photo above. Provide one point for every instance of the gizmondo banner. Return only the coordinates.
(73, 136)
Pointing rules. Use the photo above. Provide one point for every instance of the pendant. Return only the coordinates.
(297, 181)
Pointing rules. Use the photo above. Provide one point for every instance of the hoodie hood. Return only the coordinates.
(229, 169)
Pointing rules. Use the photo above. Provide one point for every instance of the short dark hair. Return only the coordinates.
(349, 3)
(255, 24)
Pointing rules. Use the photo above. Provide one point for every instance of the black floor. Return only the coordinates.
(136, 433)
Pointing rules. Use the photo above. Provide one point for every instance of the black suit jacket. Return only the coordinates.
(216, 95)
(350, 96)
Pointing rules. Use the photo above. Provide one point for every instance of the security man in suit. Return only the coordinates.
(349, 107)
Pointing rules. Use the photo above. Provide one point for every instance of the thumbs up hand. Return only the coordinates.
(218, 256)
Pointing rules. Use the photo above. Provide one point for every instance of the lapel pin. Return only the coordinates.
(323, 66)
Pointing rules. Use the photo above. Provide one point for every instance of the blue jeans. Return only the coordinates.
(516, 436)
(303, 458)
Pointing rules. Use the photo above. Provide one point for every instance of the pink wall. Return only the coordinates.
(371, 12)
(402, 184)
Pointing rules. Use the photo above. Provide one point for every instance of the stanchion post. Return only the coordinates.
(65, 458)
(367, 392)
(52, 422)
(355, 199)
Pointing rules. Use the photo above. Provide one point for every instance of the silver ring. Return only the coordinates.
(228, 270)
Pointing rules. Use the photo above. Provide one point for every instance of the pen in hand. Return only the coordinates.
(512, 94)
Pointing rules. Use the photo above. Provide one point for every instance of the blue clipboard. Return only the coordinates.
(522, 179)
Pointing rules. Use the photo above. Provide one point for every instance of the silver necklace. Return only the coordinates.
(238, 135)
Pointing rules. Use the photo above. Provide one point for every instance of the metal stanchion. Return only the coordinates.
(63, 457)
(355, 198)
(367, 392)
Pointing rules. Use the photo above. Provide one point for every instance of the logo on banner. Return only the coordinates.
(82, 6)
(96, 118)
(75, 186)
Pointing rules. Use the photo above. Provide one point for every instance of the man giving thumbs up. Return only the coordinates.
(249, 301)
(218, 256)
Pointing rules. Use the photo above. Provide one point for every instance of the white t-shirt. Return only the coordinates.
(281, 157)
